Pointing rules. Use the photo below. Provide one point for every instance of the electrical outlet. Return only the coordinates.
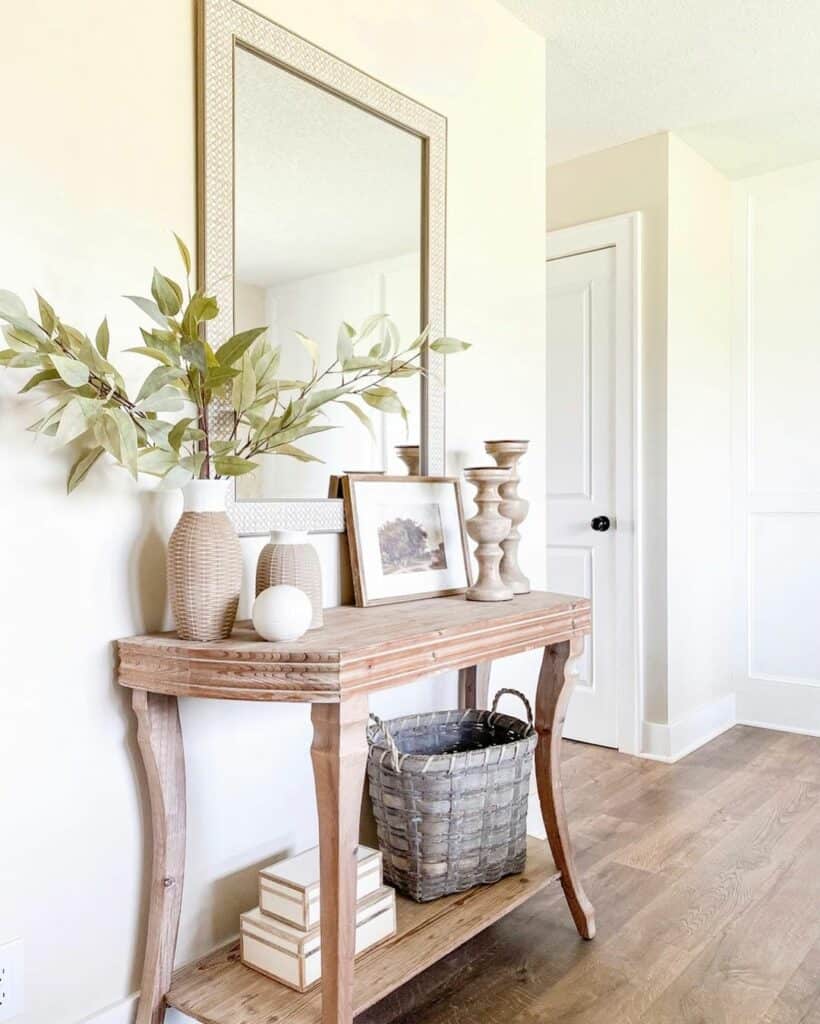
(11, 980)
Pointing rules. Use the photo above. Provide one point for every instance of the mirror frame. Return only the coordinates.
(223, 25)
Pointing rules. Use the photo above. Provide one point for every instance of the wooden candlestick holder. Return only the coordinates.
(410, 455)
(514, 507)
(488, 528)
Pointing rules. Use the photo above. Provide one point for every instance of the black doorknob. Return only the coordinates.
(601, 524)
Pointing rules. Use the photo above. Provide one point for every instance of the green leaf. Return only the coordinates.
(39, 378)
(360, 415)
(222, 447)
(344, 344)
(312, 349)
(369, 324)
(219, 375)
(48, 317)
(11, 306)
(382, 398)
(286, 435)
(244, 386)
(314, 399)
(234, 348)
(177, 476)
(167, 294)
(177, 432)
(73, 422)
(103, 338)
(193, 463)
(24, 360)
(445, 346)
(184, 253)
(295, 453)
(158, 378)
(193, 352)
(232, 465)
(127, 437)
(152, 353)
(79, 470)
(421, 339)
(364, 363)
(167, 399)
(107, 434)
(73, 372)
(157, 431)
(19, 340)
(150, 308)
(157, 461)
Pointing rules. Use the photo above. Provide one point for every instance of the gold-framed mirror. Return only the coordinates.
(321, 199)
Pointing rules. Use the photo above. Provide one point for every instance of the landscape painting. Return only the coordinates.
(411, 538)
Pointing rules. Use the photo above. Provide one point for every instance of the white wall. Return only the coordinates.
(698, 500)
(97, 169)
(623, 179)
(776, 512)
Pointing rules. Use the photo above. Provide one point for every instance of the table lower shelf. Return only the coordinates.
(219, 989)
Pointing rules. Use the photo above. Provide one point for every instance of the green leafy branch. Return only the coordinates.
(92, 406)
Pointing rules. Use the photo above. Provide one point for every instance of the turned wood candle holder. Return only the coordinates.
(514, 507)
(410, 455)
(488, 528)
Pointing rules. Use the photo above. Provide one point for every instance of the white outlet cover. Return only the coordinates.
(11, 980)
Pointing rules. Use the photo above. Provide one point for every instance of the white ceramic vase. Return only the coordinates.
(204, 564)
(281, 613)
(290, 558)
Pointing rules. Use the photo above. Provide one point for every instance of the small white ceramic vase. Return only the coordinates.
(282, 613)
(204, 564)
(488, 528)
(290, 558)
(514, 507)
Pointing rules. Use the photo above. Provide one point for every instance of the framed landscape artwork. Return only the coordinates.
(406, 537)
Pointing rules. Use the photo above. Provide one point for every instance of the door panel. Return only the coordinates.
(581, 471)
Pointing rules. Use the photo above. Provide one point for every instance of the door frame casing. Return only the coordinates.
(623, 234)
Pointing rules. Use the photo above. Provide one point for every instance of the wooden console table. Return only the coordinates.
(359, 650)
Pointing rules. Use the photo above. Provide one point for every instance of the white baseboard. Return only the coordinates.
(669, 742)
(124, 1013)
(779, 728)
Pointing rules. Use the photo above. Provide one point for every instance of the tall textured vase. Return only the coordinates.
(507, 455)
(488, 528)
(204, 564)
(289, 557)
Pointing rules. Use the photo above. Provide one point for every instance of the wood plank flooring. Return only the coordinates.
(705, 877)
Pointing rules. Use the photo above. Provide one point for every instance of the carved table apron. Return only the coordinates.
(358, 651)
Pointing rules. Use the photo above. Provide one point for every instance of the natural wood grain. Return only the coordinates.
(339, 755)
(474, 686)
(220, 990)
(704, 938)
(551, 701)
(160, 742)
(359, 649)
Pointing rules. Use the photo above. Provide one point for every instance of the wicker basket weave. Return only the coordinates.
(450, 792)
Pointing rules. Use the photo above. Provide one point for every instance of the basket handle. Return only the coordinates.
(515, 693)
(377, 723)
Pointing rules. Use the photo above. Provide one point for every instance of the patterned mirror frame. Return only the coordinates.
(222, 25)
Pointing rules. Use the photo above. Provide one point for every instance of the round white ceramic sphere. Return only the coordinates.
(282, 613)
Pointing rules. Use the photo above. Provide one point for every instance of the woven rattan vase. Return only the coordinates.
(204, 564)
(290, 558)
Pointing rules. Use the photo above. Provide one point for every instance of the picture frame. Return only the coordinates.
(406, 537)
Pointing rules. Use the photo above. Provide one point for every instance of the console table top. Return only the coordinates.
(357, 650)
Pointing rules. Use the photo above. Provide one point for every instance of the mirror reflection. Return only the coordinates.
(328, 218)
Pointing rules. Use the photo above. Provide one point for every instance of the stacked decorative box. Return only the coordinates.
(280, 937)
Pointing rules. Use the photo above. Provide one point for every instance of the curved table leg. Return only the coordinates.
(160, 742)
(339, 755)
(554, 691)
(474, 686)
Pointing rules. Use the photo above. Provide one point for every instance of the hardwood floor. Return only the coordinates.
(705, 876)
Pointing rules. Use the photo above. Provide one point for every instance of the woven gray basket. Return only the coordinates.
(450, 792)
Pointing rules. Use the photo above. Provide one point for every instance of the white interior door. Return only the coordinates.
(581, 434)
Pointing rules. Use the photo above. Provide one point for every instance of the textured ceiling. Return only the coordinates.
(737, 79)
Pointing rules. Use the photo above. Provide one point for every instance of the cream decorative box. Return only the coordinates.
(289, 890)
(293, 956)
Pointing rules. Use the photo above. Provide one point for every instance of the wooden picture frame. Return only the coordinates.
(372, 585)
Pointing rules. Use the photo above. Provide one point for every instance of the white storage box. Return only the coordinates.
(289, 890)
(293, 956)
